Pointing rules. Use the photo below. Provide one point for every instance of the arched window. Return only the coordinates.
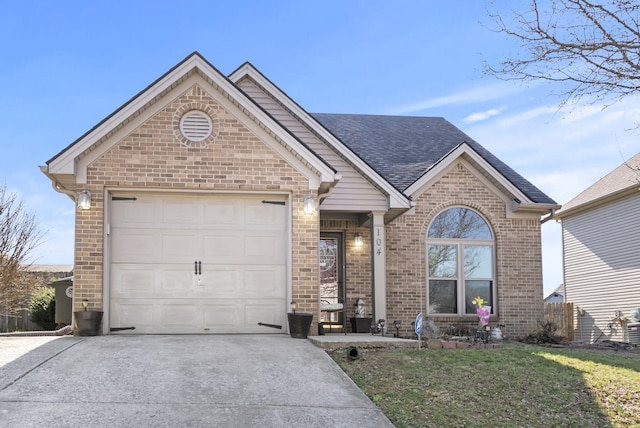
(460, 262)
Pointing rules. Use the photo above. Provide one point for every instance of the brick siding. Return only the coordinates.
(518, 275)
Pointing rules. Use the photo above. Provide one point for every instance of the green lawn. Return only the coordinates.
(517, 385)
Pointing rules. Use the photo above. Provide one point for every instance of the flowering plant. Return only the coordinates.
(484, 312)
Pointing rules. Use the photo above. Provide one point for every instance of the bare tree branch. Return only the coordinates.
(592, 48)
(19, 236)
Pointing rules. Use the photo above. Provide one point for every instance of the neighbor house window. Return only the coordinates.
(460, 260)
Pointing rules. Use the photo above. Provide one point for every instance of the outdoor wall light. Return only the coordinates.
(358, 240)
(84, 199)
(294, 305)
(309, 205)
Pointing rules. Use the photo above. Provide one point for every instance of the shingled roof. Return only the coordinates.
(626, 177)
(402, 148)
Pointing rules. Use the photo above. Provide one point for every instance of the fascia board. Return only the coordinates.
(594, 203)
(443, 164)
(396, 198)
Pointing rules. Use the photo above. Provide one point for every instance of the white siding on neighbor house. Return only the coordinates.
(353, 192)
(602, 266)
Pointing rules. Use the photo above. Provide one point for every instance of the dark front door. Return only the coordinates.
(332, 295)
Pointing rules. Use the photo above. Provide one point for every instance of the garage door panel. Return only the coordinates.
(265, 311)
(176, 282)
(264, 249)
(132, 314)
(267, 282)
(131, 280)
(181, 317)
(222, 281)
(139, 245)
(178, 213)
(129, 213)
(222, 213)
(259, 214)
(176, 248)
(225, 246)
(222, 317)
(151, 280)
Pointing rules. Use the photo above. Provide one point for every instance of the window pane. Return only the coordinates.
(443, 260)
(459, 223)
(442, 296)
(473, 289)
(478, 261)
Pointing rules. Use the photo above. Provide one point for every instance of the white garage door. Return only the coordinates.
(198, 264)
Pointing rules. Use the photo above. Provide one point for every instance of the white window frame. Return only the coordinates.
(460, 279)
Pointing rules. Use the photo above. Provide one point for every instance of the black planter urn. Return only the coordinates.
(360, 325)
(88, 322)
(299, 324)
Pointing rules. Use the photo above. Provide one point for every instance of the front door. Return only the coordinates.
(332, 293)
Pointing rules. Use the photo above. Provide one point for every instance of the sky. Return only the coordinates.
(66, 65)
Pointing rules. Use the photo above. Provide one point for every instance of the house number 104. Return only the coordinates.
(378, 242)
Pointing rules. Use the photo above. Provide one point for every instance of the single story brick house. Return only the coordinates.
(208, 203)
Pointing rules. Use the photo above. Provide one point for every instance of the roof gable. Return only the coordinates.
(623, 180)
(69, 166)
(403, 149)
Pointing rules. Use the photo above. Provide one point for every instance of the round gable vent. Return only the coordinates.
(196, 125)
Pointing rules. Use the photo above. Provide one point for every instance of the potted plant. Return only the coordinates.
(299, 323)
(88, 322)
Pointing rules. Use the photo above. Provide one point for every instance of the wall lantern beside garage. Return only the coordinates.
(309, 205)
(84, 199)
(358, 240)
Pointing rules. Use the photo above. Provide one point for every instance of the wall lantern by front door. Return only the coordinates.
(309, 205)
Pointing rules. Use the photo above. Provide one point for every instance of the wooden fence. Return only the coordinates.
(561, 314)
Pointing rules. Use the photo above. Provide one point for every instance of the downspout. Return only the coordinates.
(551, 216)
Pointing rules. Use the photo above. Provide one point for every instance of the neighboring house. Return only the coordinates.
(600, 235)
(557, 296)
(19, 320)
(207, 203)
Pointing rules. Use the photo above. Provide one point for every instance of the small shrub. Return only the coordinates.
(42, 307)
(547, 334)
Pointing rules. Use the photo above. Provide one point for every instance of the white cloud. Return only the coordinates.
(477, 117)
(470, 96)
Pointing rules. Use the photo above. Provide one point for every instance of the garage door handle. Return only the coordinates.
(199, 268)
(195, 267)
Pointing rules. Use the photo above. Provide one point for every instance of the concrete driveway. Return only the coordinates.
(177, 381)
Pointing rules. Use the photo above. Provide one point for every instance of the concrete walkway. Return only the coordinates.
(177, 381)
(333, 341)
